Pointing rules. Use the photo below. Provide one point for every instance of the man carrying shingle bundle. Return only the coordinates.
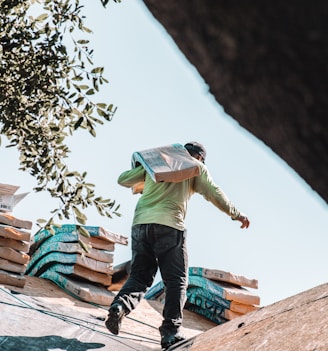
(159, 241)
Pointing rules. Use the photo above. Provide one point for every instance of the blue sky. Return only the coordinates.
(162, 99)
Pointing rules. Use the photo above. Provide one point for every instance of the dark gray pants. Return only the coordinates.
(158, 246)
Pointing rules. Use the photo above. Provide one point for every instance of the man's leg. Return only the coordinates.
(143, 270)
(173, 262)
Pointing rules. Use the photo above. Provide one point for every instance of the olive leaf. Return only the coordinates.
(48, 88)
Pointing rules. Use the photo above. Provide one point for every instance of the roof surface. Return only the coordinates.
(41, 317)
(298, 323)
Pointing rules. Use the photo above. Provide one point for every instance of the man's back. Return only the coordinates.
(163, 203)
(166, 203)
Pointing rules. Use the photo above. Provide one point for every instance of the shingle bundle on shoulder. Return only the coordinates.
(170, 163)
(60, 257)
(15, 237)
(217, 295)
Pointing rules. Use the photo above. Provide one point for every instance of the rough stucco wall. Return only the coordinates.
(266, 63)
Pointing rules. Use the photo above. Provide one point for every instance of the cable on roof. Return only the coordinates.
(132, 319)
(77, 321)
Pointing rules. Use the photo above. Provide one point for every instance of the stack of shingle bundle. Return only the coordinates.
(15, 239)
(61, 258)
(217, 295)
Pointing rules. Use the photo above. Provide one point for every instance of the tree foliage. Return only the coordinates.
(47, 83)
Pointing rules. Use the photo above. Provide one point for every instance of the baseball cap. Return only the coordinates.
(194, 146)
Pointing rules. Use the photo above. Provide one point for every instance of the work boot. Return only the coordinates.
(168, 339)
(116, 313)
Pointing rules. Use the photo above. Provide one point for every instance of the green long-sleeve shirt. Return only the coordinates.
(166, 203)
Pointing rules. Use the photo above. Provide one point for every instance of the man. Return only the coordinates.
(159, 241)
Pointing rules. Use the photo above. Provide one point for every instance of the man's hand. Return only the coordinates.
(244, 220)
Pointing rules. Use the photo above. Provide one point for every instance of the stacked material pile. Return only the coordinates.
(61, 258)
(15, 239)
(217, 295)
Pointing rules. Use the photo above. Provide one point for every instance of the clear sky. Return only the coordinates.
(162, 99)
